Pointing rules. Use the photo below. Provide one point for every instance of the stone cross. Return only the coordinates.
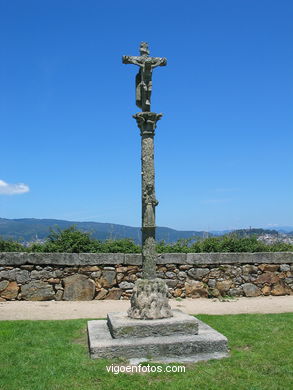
(149, 299)
(143, 80)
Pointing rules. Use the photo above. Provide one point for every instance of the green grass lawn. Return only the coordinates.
(51, 355)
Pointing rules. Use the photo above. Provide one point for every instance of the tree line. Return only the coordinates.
(71, 240)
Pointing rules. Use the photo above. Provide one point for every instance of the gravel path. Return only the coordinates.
(52, 310)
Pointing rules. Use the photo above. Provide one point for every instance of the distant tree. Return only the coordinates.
(68, 240)
(125, 245)
(11, 246)
(71, 240)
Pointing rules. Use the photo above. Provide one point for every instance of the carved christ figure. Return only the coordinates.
(143, 81)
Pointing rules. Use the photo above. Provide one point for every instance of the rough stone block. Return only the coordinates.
(198, 273)
(174, 258)
(78, 288)
(133, 258)
(122, 326)
(10, 291)
(196, 289)
(37, 290)
(250, 290)
(207, 344)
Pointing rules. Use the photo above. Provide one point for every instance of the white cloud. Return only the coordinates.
(13, 189)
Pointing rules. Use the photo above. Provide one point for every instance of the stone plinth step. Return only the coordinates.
(122, 326)
(207, 344)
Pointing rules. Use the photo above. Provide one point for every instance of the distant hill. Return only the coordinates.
(253, 232)
(30, 229)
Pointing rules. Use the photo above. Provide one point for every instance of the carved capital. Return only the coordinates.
(147, 122)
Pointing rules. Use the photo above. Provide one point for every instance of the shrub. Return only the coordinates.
(11, 246)
(68, 240)
(72, 240)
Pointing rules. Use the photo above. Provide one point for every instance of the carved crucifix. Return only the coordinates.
(149, 299)
(143, 81)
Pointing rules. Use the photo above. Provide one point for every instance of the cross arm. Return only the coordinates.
(157, 61)
(135, 60)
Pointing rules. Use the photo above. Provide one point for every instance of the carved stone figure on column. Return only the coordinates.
(150, 294)
(143, 81)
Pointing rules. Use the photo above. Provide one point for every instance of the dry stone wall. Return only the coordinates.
(71, 277)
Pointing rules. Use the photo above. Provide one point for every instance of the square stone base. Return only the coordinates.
(207, 344)
(122, 326)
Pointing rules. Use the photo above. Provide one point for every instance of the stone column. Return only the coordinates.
(149, 299)
(147, 122)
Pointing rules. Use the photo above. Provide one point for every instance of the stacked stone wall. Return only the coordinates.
(58, 276)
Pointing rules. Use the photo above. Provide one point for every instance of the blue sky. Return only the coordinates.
(70, 148)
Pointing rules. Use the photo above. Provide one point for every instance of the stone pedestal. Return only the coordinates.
(181, 338)
(150, 300)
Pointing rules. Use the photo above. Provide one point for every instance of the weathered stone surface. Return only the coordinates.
(121, 269)
(10, 291)
(133, 258)
(289, 280)
(126, 285)
(185, 267)
(102, 294)
(119, 277)
(235, 292)
(266, 290)
(132, 278)
(82, 259)
(250, 290)
(181, 275)
(177, 292)
(43, 274)
(114, 293)
(37, 290)
(284, 267)
(269, 267)
(122, 326)
(149, 300)
(215, 273)
(108, 278)
(238, 258)
(78, 288)
(224, 285)
(22, 276)
(198, 273)
(8, 274)
(170, 275)
(3, 285)
(174, 258)
(59, 295)
(214, 292)
(212, 283)
(207, 342)
(274, 274)
(279, 289)
(54, 281)
(195, 289)
(96, 274)
(28, 267)
(268, 278)
(22, 258)
(89, 268)
(171, 282)
(249, 269)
